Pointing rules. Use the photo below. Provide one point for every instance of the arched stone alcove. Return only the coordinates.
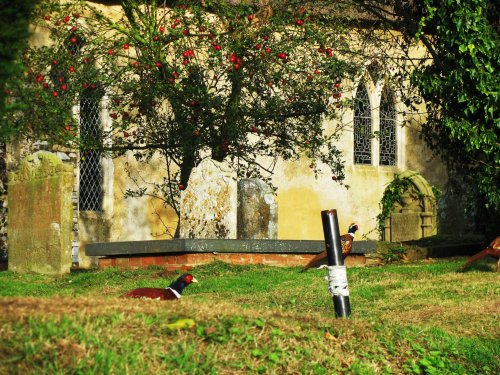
(414, 216)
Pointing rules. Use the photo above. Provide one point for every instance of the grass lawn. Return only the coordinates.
(417, 318)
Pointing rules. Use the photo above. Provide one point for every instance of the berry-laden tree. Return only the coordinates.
(244, 82)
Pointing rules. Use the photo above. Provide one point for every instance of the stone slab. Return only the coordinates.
(209, 204)
(405, 226)
(257, 210)
(218, 246)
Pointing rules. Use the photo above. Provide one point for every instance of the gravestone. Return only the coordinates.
(40, 215)
(257, 210)
(209, 204)
(414, 216)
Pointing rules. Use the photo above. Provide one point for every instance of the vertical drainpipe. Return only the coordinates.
(337, 275)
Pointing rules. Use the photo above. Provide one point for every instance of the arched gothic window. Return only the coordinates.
(387, 129)
(362, 127)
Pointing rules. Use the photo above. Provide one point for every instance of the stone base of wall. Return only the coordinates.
(173, 262)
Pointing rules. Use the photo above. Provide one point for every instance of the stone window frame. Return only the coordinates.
(375, 90)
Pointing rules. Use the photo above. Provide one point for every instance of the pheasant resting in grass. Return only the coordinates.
(172, 292)
(346, 243)
(493, 249)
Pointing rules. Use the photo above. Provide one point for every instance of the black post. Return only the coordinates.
(336, 271)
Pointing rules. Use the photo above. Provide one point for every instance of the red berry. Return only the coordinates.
(61, 79)
(254, 129)
(45, 85)
(114, 116)
(54, 62)
(64, 87)
(232, 58)
(157, 64)
(84, 86)
(268, 50)
(126, 46)
(299, 22)
(55, 94)
(125, 134)
(258, 46)
(282, 55)
(72, 69)
(202, 29)
(76, 15)
(182, 187)
(237, 66)
(316, 71)
(265, 37)
(39, 78)
(46, 18)
(68, 127)
(250, 17)
(337, 85)
(162, 29)
(185, 53)
(185, 32)
(185, 62)
(155, 38)
(334, 178)
(66, 19)
(74, 40)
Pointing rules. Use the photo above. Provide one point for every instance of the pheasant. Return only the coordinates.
(172, 292)
(493, 249)
(346, 243)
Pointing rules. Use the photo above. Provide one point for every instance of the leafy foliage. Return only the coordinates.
(461, 91)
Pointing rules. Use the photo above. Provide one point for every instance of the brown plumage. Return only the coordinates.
(493, 249)
(172, 292)
(346, 241)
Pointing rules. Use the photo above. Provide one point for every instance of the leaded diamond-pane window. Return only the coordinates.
(91, 175)
(387, 129)
(362, 127)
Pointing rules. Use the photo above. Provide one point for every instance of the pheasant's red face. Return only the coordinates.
(188, 279)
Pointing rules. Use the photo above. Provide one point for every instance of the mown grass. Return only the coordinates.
(417, 318)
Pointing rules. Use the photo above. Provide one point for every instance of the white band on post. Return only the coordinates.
(337, 281)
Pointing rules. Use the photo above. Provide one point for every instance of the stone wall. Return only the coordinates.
(40, 215)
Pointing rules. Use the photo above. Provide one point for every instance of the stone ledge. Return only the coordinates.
(218, 246)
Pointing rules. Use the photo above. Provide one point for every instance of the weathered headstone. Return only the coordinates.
(40, 215)
(415, 215)
(209, 204)
(257, 210)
